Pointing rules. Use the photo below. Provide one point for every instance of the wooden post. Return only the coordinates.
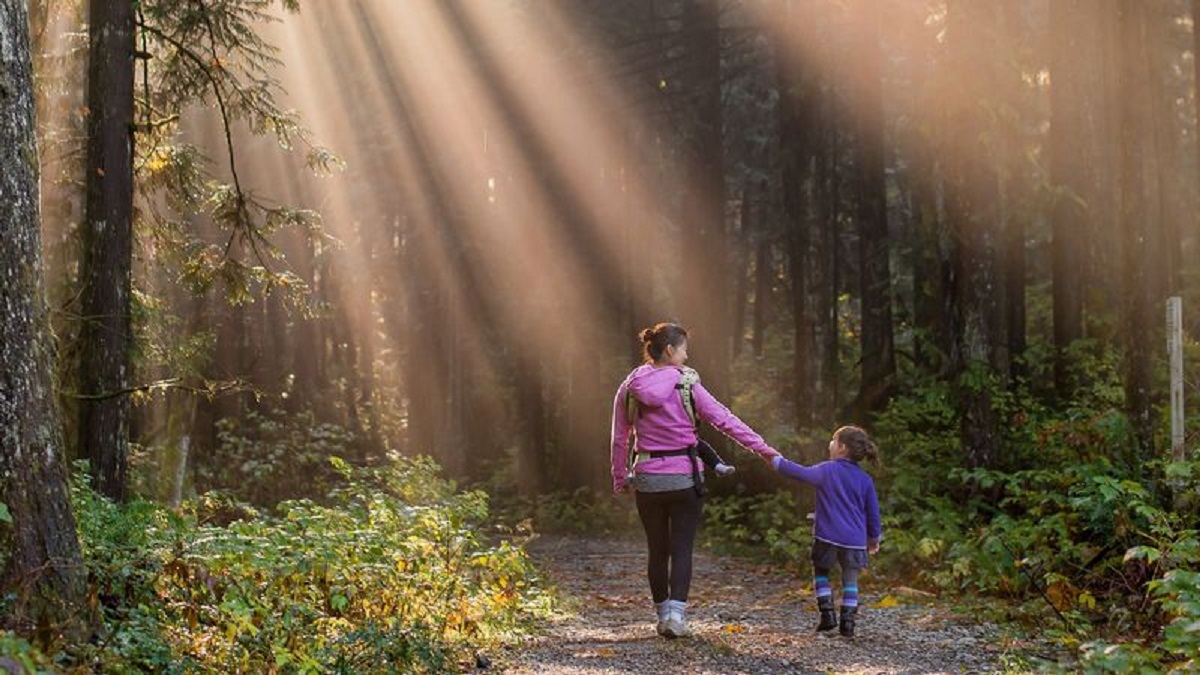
(1175, 352)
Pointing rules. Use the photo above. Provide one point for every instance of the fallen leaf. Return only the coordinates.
(888, 601)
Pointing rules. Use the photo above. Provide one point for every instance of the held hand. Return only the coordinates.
(873, 547)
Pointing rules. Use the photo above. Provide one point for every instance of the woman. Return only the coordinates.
(667, 472)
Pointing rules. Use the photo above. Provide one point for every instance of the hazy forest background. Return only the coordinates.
(288, 251)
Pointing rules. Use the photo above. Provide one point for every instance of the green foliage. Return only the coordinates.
(1068, 517)
(393, 573)
(18, 653)
(1170, 555)
(580, 511)
(772, 523)
(266, 458)
(215, 54)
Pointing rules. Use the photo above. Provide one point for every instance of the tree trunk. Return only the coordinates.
(829, 259)
(797, 139)
(1068, 216)
(878, 350)
(741, 264)
(1138, 215)
(1164, 276)
(1190, 261)
(762, 281)
(1015, 193)
(105, 337)
(307, 363)
(932, 273)
(980, 360)
(703, 300)
(44, 567)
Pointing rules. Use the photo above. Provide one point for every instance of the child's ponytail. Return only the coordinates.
(858, 443)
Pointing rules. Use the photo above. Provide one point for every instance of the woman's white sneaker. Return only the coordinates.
(676, 623)
(662, 610)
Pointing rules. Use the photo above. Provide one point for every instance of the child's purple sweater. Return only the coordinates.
(847, 507)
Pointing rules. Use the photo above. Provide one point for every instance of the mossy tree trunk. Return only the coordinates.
(43, 565)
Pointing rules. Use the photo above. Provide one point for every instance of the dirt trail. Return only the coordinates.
(747, 618)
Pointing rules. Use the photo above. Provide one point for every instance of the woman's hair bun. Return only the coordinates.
(646, 335)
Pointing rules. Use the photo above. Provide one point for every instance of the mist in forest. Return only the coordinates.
(824, 193)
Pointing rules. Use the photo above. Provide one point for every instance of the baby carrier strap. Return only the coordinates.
(687, 378)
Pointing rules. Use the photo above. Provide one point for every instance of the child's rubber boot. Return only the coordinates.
(829, 619)
(846, 628)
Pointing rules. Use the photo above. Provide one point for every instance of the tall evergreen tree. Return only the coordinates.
(44, 566)
(1068, 212)
(105, 341)
(980, 352)
(703, 296)
(1138, 218)
(878, 350)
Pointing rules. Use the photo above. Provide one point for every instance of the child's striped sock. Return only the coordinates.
(850, 596)
(821, 587)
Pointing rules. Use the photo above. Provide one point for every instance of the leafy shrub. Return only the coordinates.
(18, 656)
(393, 573)
(774, 524)
(266, 458)
(1069, 516)
(581, 511)
(1170, 556)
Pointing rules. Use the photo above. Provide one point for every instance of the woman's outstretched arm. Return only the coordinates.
(709, 409)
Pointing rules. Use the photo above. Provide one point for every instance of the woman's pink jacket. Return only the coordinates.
(663, 423)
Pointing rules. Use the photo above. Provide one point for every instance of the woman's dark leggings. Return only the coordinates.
(670, 520)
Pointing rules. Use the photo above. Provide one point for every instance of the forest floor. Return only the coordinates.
(747, 618)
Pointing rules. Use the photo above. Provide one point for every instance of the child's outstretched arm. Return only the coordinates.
(809, 474)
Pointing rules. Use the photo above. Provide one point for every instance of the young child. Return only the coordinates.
(847, 524)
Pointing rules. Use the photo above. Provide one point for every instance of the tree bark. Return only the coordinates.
(762, 282)
(1014, 185)
(44, 566)
(1139, 315)
(741, 265)
(105, 337)
(980, 357)
(1068, 215)
(1190, 261)
(797, 139)
(878, 349)
(703, 300)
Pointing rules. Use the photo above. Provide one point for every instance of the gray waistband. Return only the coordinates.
(662, 482)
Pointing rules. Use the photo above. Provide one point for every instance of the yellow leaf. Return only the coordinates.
(606, 651)
(888, 601)
(1087, 600)
(734, 628)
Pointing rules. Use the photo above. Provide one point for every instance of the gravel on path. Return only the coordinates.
(747, 618)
